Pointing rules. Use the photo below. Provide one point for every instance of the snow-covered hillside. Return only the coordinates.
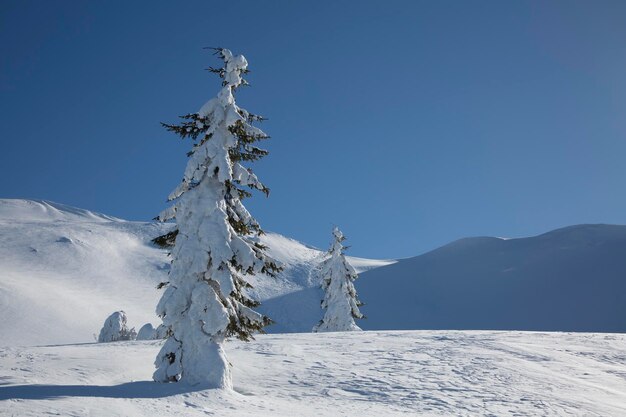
(63, 270)
(334, 374)
(570, 279)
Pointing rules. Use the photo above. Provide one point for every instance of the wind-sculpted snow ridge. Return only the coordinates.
(402, 373)
(46, 211)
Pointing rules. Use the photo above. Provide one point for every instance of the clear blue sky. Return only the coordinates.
(407, 123)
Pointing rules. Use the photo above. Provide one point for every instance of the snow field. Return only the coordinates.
(460, 373)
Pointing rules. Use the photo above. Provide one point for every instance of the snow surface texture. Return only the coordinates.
(340, 302)
(424, 373)
(115, 329)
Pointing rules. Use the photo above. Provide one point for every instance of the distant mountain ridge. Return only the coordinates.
(569, 279)
(63, 270)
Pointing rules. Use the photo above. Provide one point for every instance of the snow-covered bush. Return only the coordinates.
(340, 299)
(115, 328)
(216, 246)
(147, 332)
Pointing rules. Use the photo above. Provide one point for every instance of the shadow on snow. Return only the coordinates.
(139, 389)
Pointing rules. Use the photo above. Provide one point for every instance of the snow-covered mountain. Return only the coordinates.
(570, 279)
(63, 270)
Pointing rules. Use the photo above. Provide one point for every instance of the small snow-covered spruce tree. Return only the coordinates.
(216, 243)
(340, 300)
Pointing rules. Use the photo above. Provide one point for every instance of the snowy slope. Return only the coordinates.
(292, 300)
(570, 279)
(334, 374)
(63, 270)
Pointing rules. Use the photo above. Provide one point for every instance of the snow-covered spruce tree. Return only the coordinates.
(340, 299)
(215, 247)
